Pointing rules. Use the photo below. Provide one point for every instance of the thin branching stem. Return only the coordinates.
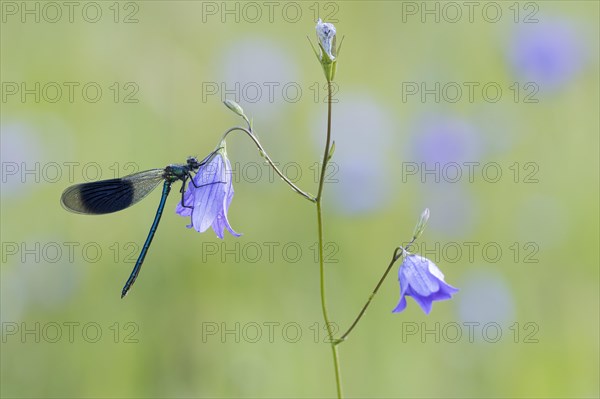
(398, 252)
(269, 161)
(395, 257)
(319, 197)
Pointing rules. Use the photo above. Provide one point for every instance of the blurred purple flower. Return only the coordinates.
(443, 139)
(446, 152)
(208, 197)
(360, 187)
(420, 278)
(486, 296)
(548, 53)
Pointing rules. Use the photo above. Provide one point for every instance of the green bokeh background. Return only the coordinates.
(170, 54)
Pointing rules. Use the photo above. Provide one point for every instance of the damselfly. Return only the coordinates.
(107, 196)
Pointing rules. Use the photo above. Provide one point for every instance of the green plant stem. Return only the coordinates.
(327, 143)
(397, 254)
(334, 349)
(269, 161)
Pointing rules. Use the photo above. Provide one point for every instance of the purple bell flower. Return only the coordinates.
(549, 54)
(208, 197)
(420, 278)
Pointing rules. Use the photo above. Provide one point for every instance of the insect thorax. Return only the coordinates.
(176, 172)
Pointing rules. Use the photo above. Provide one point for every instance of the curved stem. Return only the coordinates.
(334, 349)
(397, 254)
(268, 158)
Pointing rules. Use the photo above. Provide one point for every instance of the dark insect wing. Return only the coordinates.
(107, 196)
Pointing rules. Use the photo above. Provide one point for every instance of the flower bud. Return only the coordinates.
(328, 49)
(236, 108)
(421, 224)
(326, 34)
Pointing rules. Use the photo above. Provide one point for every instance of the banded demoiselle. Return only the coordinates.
(108, 196)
